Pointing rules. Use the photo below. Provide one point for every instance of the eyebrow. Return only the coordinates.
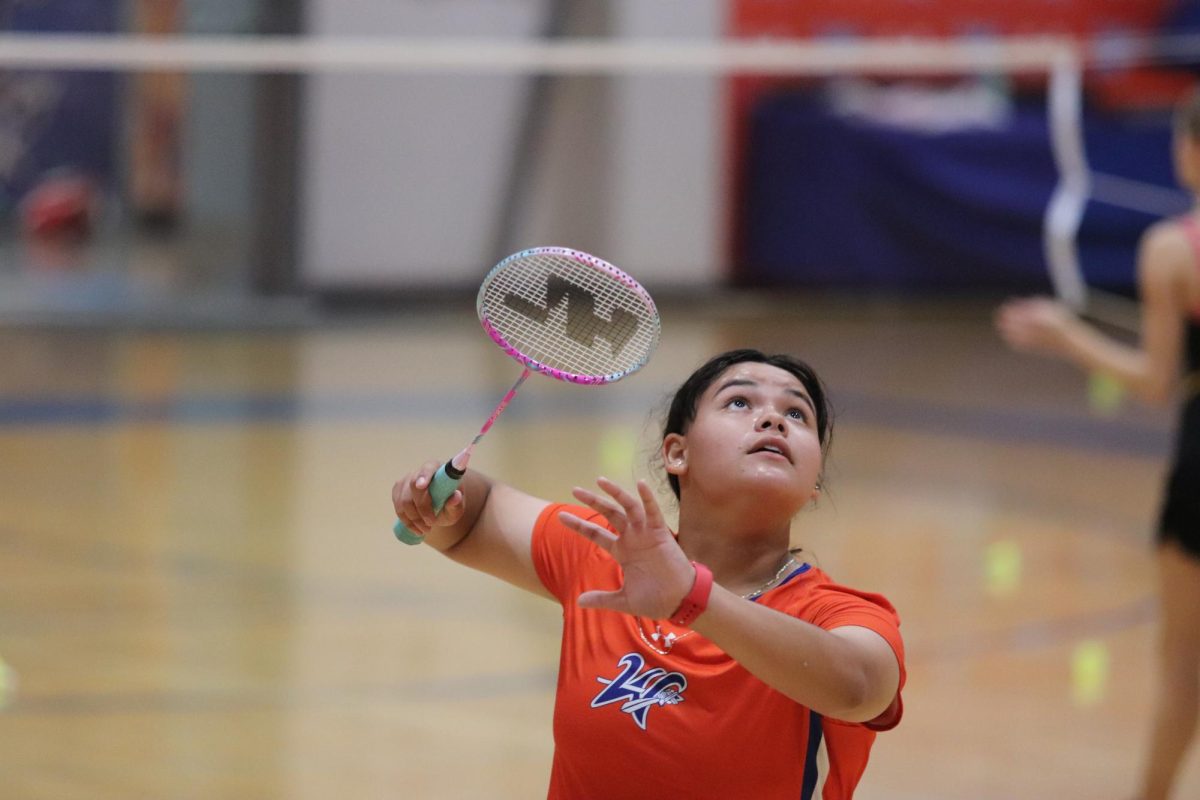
(732, 382)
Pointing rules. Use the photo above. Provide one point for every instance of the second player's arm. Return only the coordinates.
(1150, 368)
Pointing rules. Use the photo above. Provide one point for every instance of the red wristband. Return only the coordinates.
(694, 603)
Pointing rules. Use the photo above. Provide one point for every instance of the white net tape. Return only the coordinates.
(325, 54)
(908, 55)
(1062, 59)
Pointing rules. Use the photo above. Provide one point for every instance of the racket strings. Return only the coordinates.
(570, 315)
(578, 340)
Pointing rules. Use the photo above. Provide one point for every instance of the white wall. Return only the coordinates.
(670, 200)
(404, 174)
(401, 172)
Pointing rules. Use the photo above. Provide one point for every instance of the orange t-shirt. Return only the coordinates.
(630, 722)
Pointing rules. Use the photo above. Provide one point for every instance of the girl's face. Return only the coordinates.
(755, 431)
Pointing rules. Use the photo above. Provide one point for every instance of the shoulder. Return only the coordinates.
(1167, 260)
(869, 623)
(548, 520)
(1169, 242)
(817, 598)
(563, 560)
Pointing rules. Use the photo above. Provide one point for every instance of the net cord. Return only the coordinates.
(1064, 212)
(1062, 59)
(565, 56)
(247, 53)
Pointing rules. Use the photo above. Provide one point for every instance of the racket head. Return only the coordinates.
(568, 315)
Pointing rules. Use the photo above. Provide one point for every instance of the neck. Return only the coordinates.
(742, 551)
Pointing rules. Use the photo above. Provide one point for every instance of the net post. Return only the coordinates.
(1064, 212)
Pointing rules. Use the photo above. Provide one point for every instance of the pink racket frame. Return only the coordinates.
(537, 366)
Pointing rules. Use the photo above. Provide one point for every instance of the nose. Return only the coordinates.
(772, 419)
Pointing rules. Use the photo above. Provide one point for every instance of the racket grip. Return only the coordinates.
(444, 482)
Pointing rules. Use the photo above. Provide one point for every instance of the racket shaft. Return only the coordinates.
(444, 483)
(487, 426)
(440, 489)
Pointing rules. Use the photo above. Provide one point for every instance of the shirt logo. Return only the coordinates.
(638, 691)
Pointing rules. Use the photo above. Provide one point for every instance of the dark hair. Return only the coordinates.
(683, 405)
(1187, 115)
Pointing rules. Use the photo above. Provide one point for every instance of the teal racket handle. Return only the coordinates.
(444, 482)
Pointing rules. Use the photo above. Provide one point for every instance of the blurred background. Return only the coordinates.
(239, 243)
(231, 183)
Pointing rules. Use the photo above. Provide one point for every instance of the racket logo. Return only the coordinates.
(583, 324)
(638, 691)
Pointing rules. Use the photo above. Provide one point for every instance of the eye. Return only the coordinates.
(798, 413)
(737, 402)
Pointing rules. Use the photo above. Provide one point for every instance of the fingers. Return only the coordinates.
(404, 494)
(601, 537)
(611, 511)
(613, 601)
(623, 509)
(413, 505)
(421, 503)
(1011, 328)
(634, 511)
(654, 517)
(1030, 323)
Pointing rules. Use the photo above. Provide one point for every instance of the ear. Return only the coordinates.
(674, 453)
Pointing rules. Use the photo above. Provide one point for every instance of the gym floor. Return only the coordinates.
(200, 594)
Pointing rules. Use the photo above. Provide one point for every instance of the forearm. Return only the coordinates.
(1093, 351)
(808, 664)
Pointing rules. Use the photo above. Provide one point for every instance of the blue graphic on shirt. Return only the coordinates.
(639, 691)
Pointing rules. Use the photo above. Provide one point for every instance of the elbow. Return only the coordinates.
(859, 712)
(1156, 393)
(855, 701)
(865, 697)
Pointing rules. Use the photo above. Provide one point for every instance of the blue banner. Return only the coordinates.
(51, 120)
(860, 187)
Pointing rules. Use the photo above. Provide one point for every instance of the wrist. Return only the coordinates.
(696, 600)
(1070, 335)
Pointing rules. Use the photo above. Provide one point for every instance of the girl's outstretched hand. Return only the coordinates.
(657, 573)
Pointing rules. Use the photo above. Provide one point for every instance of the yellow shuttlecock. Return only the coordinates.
(1105, 394)
(617, 449)
(8, 685)
(1002, 567)
(1089, 673)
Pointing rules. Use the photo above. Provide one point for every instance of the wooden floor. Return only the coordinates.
(200, 595)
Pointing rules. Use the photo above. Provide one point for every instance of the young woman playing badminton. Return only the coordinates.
(1169, 282)
(708, 662)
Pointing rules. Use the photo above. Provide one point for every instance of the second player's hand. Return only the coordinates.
(1035, 324)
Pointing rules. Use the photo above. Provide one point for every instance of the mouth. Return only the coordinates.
(774, 447)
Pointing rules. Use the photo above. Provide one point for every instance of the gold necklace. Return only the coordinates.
(668, 640)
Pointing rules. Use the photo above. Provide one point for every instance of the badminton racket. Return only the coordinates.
(561, 313)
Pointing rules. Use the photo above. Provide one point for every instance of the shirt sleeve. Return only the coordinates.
(837, 606)
(559, 553)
